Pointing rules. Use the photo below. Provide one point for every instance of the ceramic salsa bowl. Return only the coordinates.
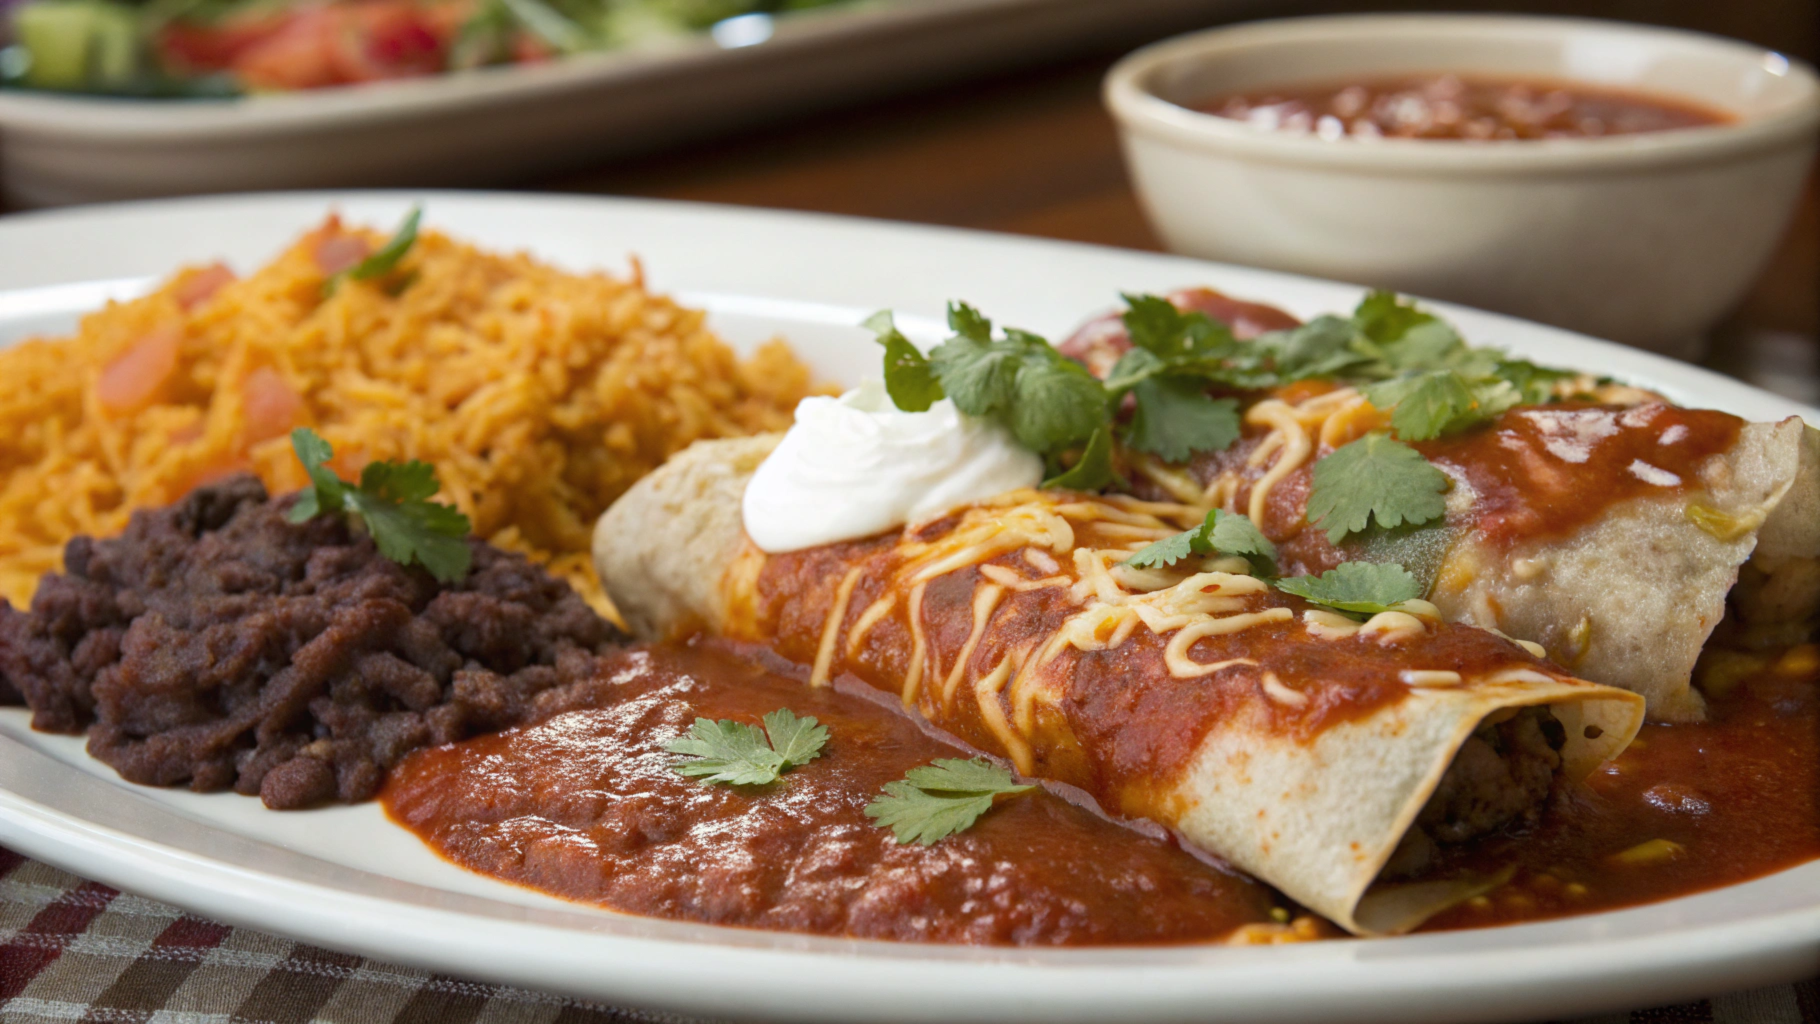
(1645, 238)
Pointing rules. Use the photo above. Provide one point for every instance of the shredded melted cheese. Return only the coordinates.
(1296, 432)
(1075, 550)
(874, 613)
(1050, 535)
(824, 652)
(985, 602)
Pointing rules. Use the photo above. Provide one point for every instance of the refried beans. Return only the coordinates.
(217, 645)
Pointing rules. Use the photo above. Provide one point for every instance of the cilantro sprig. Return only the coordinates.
(1223, 533)
(1354, 587)
(937, 800)
(1375, 478)
(1364, 588)
(1055, 407)
(392, 503)
(745, 755)
(1177, 377)
(383, 260)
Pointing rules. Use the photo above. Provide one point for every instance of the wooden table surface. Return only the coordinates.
(1036, 154)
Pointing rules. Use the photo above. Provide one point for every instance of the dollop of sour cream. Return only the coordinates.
(857, 465)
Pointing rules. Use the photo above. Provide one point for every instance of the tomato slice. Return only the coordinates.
(269, 406)
(137, 377)
(202, 285)
(336, 253)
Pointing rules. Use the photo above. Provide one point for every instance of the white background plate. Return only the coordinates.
(483, 126)
(346, 878)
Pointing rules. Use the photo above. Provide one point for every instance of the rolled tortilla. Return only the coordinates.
(1613, 549)
(1631, 598)
(1627, 594)
(1298, 744)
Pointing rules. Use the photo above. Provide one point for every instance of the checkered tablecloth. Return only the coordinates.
(74, 950)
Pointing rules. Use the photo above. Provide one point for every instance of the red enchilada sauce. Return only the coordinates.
(1546, 471)
(1685, 809)
(1460, 107)
(585, 806)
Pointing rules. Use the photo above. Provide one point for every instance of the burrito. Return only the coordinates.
(1331, 755)
(1611, 528)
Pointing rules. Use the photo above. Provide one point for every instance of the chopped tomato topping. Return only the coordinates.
(336, 253)
(297, 56)
(347, 44)
(388, 41)
(270, 408)
(202, 285)
(138, 376)
(199, 48)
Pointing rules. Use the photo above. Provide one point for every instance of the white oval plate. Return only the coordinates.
(346, 878)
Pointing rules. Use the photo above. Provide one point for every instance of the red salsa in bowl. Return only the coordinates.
(1456, 106)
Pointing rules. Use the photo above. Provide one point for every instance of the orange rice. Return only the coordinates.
(538, 395)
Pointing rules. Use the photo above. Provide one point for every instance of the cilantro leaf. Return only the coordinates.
(908, 379)
(1153, 324)
(1534, 384)
(1156, 325)
(1424, 406)
(727, 751)
(392, 503)
(385, 259)
(797, 740)
(1363, 587)
(1175, 419)
(1428, 405)
(1224, 533)
(1170, 550)
(1426, 343)
(935, 801)
(1134, 367)
(1322, 347)
(414, 480)
(1094, 470)
(1234, 534)
(1384, 316)
(967, 322)
(381, 263)
(1055, 402)
(1377, 478)
(326, 490)
(410, 530)
(1494, 397)
(745, 755)
(979, 376)
(1049, 402)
